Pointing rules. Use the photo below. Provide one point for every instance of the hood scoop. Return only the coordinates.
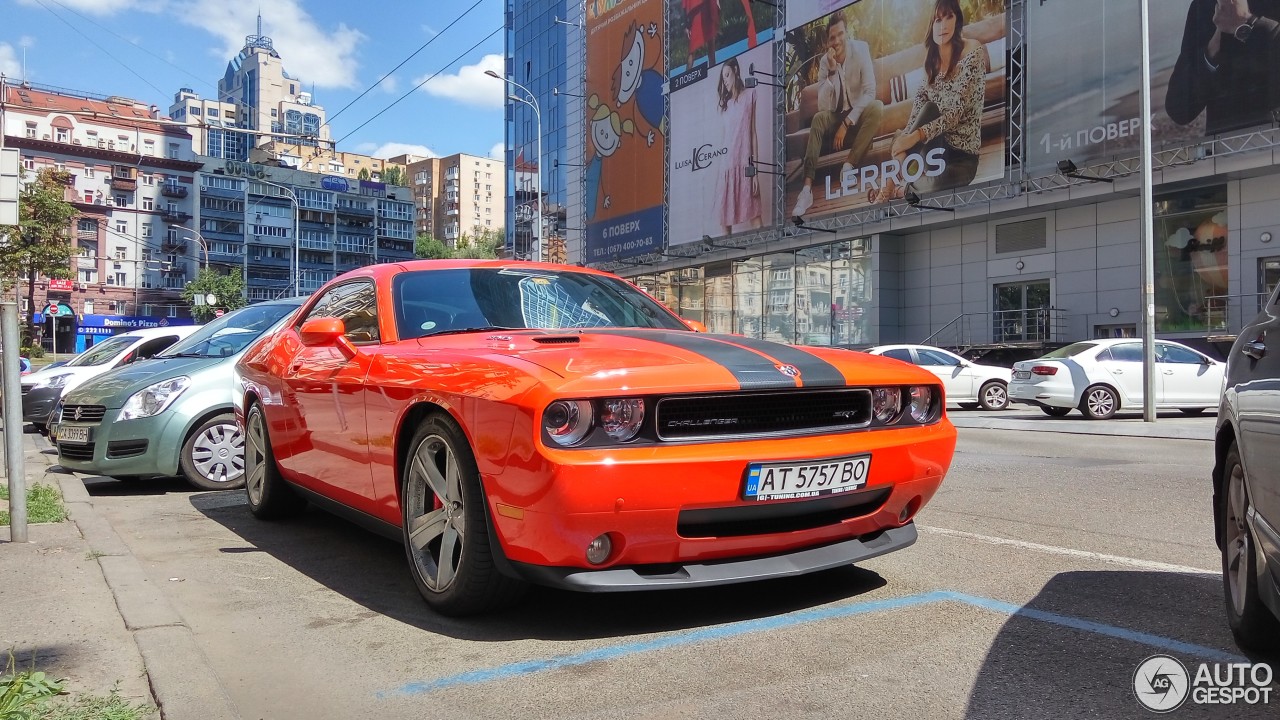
(558, 339)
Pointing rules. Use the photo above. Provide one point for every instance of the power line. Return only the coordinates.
(104, 50)
(419, 85)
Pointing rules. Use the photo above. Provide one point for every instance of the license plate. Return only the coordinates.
(1022, 375)
(790, 480)
(73, 434)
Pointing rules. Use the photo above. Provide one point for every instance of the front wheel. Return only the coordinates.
(270, 497)
(994, 396)
(213, 455)
(445, 524)
(1251, 622)
(1099, 402)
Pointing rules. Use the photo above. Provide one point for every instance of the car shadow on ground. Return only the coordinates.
(1072, 652)
(373, 572)
(101, 485)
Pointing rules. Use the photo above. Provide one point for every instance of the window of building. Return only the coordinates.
(148, 203)
(62, 135)
(146, 230)
(117, 306)
(149, 180)
(174, 150)
(31, 129)
(60, 166)
(28, 163)
(88, 171)
(88, 196)
(1022, 312)
(121, 201)
(194, 110)
(149, 147)
(88, 307)
(1268, 278)
(121, 251)
(88, 276)
(1191, 290)
(122, 226)
(86, 225)
(213, 112)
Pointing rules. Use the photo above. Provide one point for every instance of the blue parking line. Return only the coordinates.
(1155, 641)
(721, 632)
(746, 627)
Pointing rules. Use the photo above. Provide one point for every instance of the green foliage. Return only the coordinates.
(393, 175)
(363, 174)
(479, 244)
(22, 692)
(229, 290)
(429, 248)
(44, 505)
(33, 351)
(32, 695)
(94, 707)
(41, 244)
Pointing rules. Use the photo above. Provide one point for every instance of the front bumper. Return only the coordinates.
(37, 403)
(147, 446)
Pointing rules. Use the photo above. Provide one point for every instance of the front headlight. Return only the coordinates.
(56, 381)
(622, 418)
(921, 404)
(568, 422)
(886, 403)
(154, 399)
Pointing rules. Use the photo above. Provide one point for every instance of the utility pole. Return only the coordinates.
(14, 461)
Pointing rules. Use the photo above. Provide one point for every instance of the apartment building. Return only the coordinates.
(456, 194)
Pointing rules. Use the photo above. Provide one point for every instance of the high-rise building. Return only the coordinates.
(131, 183)
(456, 195)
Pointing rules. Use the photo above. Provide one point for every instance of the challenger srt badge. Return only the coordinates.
(789, 370)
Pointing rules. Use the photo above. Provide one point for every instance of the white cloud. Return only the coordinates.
(9, 64)
(103, 7)
(470, 85)
(389, 85)
(391, 149)
(499, 151)
(326, 57)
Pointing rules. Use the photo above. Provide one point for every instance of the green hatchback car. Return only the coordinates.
(171, 413)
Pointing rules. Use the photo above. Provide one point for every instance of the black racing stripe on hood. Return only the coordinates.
(750, 369)
(814, 371)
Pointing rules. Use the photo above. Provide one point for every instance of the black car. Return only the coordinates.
(1246, 482)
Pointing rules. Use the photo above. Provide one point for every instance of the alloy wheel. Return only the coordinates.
(218, 453)
(255, 463)
(1101, 402)
(1237, 546)
(434, 512)
(995, 397)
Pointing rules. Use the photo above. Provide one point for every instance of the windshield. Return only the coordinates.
(103, 352)
(432, 302)
(1069, 351)
(232, 332)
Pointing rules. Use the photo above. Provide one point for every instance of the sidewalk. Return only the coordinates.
(76, 598)
(1168, 425)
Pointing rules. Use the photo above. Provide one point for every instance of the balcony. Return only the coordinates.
(173, 190)
(124, 184)
(174, 216)
(357, 211)
(173, 247)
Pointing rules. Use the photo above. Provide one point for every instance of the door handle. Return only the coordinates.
(1118, 371)
(1256, 349)
(1168, 372)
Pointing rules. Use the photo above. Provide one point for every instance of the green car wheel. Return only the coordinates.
(213, 455)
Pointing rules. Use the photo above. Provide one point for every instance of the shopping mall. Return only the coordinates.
(962, 172)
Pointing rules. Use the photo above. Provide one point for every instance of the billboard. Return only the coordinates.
(718, 126)
(1084, 59)
(626, 125)
(886, 97)
(705, 33)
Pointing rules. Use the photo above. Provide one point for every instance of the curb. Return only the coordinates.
(183, 684)
(1163, 431)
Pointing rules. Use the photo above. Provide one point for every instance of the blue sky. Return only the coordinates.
(147, 49)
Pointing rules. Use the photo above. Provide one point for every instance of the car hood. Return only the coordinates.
(114, 388)
(76, 373)
(650, 360)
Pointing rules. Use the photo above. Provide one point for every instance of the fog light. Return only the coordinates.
(599, 549)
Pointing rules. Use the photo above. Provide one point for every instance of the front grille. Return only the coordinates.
(779, 517)
(750, 414)
(88, 413)
(83, 453)
(126, 448)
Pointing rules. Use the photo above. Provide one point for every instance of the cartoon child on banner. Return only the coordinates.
(632, 80)
(607, 129)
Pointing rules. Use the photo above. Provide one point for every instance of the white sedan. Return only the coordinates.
(967, 383)
(1100, 377)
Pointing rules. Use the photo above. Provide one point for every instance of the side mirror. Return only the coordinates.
(696, 326)
(327, 332)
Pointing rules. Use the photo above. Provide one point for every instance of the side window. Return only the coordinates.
(899, 354)
(931, 357)
(356, 305)
(1105, 355)
(151, 347)
(1128, 352)
(1178, 355)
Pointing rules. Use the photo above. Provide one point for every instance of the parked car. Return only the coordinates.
(42, 388)
(1100, 377)
(967, 383)
(517, 422)
(173, 414)
(1246, 482)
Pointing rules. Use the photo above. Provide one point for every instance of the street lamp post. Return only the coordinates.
(531, 101)
(200, 239)
(297, 281)
(1148, 232)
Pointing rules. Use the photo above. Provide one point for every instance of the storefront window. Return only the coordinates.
(1269, 271)
(1191, 261)
(718, 301)
(748, 296)
(780, 297)
(689, 282)
(813, 296)
(851, 294)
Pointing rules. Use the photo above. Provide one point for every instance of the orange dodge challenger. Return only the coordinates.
(519, 422)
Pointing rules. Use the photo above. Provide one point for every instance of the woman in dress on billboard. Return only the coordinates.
(737, 196)
(947, 113)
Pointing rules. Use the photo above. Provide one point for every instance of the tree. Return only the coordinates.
(392, 175)
(480, 244)
(429, 248)
(41, 244)
(363, 174)
(229, 290)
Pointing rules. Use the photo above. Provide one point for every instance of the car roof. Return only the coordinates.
(383, 270)
(146, 333)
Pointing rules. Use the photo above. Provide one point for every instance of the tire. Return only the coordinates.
(270, 497)
(445, 525)
(213, 456)
(1055, 411)
(1192, 411)
(994, 396)
(1099, 402)
(970, 406)
(1251, 622)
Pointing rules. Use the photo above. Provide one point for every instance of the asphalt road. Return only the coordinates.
(1048, 568)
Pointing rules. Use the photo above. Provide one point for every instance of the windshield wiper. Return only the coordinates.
(184, 355)
(459, 331)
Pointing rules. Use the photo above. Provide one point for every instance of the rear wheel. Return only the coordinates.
(1251, 622)
(994, 396)
(270, 497)
(213, 456)
(1055, 411)
(445, 525)
(1099, 402)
